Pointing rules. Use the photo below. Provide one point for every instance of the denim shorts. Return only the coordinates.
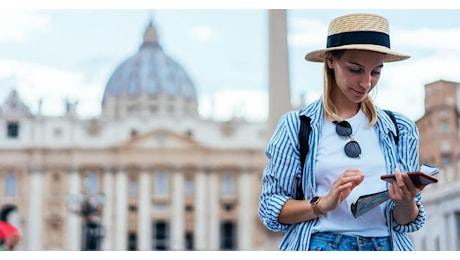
(327, 241)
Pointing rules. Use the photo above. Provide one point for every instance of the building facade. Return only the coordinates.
(439, 126)
(439, 145)
(148, 174)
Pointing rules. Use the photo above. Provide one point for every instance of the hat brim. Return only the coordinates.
(320, 55)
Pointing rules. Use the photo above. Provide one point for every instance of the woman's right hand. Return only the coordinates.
(340, 189)
(294, 211)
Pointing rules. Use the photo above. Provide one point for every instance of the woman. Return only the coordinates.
(350, 147)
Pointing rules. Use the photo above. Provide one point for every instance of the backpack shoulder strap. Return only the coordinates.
(304, 134)
(392, 117)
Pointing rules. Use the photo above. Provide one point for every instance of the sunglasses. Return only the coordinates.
(352, 148)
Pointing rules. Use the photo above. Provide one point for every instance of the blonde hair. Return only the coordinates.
(330, 111)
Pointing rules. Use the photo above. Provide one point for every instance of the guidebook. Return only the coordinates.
(367, 202)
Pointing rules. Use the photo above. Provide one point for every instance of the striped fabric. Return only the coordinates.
(282, 173)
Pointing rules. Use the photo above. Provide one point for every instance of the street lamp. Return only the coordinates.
(89, 208)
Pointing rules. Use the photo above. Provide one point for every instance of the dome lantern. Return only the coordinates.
(150, 36)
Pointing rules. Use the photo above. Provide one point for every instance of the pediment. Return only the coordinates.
(161, 138)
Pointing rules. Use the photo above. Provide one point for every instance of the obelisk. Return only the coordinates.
(279, 95)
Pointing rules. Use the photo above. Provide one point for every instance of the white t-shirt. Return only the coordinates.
(331, 162)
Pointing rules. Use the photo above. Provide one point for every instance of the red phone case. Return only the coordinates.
(418, 178)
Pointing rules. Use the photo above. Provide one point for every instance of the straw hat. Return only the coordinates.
(358, 31)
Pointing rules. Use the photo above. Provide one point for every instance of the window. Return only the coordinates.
(189, 186)
(132, 188)
(227, 185)
(445, 146)
(93, 129)
(57, 132)
(161, 235)
(153, 108)
(134, 133)
(445, 160)
(189, 241)
(13, 130)
(92, 185)
(228, 236)
(161, 184)
(132, 241)
(444, 128)
(10, 185)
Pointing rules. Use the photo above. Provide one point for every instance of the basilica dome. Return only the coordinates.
(149, 83)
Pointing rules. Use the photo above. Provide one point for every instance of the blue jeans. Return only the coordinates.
(327, 241)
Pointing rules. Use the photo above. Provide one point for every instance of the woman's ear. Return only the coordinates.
(330, 62)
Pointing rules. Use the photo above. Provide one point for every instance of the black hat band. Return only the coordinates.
(361, 37)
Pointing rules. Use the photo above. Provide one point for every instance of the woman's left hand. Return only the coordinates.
(402, 192)
(403, 189)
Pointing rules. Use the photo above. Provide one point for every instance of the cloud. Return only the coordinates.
(402, 85)
(16, 25)
(224, 105)
(34, 82)
(434, 56)
(443, 39)
(202, 34)
(304, 32)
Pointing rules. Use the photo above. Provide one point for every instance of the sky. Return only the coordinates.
(53, 54)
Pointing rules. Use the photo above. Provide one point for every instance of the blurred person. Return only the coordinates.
(9, 236)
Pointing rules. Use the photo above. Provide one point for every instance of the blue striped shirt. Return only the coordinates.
(282, 173)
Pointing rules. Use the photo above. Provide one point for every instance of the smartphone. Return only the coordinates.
(418, 178)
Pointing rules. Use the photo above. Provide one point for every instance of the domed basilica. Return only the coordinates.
(150, 84)
(147, 174)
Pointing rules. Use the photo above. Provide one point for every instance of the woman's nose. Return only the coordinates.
(366, 81)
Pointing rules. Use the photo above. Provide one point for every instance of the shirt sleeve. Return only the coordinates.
(408, 150)
(282, 172)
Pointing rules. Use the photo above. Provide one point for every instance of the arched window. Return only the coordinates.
(132, 187)
(10, 185)
(227, 185)
(161, 184)
(92, 184)
(189, 186)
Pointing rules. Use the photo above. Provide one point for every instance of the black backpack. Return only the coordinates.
(304, 135)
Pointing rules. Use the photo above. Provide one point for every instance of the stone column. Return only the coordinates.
(245, 212)
(74, 227)
(35, 224)
(121, 211)
(201, 233)
(177, 208)
(450, 242)
(145, 218)
(107, 216)
(213, 220)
